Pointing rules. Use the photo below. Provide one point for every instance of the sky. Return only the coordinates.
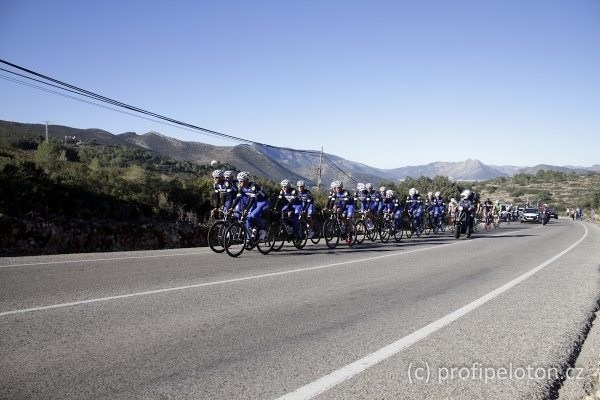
(384, 83)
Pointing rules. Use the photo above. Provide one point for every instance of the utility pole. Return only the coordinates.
(320, 171)
(46, 130)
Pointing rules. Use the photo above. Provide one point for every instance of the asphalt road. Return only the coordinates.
(496, 316)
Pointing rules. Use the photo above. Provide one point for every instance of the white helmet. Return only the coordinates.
(228, 174)
(368, 186)
(437, 194)
(360, 187)
(497, 202)
(389, 193)
(300, 183)
(217, 173)
(429, 194)
(332, 185)
(412, 192)
(453, 200)
(382, 189)
(466, 193)
(285, 183)
(338, 184)
(243, 176)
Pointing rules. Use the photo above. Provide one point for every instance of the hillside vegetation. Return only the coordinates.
(557, 189)
(58, 196)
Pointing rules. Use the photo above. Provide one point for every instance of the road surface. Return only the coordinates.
(497, 316)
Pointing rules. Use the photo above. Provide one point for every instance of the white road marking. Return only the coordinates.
(87, 260)
(247, 278)
(91, 260)
(327, 382)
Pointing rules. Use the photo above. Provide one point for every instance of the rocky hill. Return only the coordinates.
(275, 162)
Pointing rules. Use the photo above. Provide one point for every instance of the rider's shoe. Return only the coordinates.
(310, 234)
(254, 233)
(263, 234)
(349, 240)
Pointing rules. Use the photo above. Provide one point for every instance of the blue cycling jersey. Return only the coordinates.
(306, 197)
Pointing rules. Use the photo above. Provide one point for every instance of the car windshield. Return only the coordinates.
(531, 210)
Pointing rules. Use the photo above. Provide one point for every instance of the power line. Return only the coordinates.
(170, 121)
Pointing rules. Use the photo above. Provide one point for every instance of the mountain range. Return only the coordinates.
(274, 162)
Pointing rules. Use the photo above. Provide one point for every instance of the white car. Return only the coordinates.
(530, 215)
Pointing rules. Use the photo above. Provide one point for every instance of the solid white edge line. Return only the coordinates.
(89, 260)
(327, 382)
(102, 259)
(124, 296)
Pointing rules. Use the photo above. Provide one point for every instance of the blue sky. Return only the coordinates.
(386, 83)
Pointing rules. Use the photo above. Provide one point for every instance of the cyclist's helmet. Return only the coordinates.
(430, 194)
(437, 194)
(285, 183)
(217, 173)
(412, 192)
(300, 183)
(360, 187)
(228, 174)
(368, 186)
(337, 184)
(465, 194)
(382, 189)
(243, 176)
(497, 201)
(389, 193)
(332, 185)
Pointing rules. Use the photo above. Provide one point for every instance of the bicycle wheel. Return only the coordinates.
(427, 224)
(265, 245)
(317, 232)
(398, 231)
(372, 230)
(215, 236)
(235, 239)
(277, 235)
(360, 231)
(409, 230)
(331, 233)
(385, 231)
(301, 242)
(436, 227)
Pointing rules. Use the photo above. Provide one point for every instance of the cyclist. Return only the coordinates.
(430, 205)
(342, 200)
(497, 211)
(439, 207)
(254, 202)
(452, 208)
(289, 201)
(487, 213)
(414, 207)
(467, 202)
(373, 199)
(219, 191)
(308, 206)
(231, 189)
(361, 197)
(391, 205)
